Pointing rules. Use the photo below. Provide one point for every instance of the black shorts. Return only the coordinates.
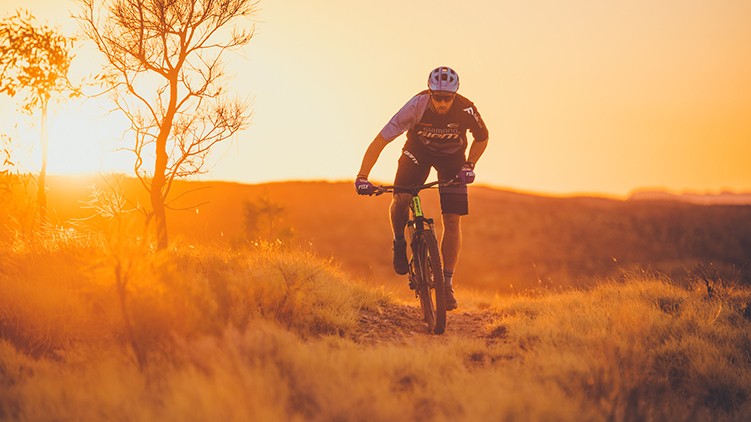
(414, 167)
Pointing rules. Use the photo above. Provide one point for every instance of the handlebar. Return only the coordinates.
(413, 189)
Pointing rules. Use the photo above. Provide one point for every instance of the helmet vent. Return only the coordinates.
(443, 79)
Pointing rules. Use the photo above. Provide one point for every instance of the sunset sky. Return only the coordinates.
(579, 96)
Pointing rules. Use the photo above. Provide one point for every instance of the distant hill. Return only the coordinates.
(512, 241)
(722, 198)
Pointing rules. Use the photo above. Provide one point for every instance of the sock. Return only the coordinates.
(447, 277)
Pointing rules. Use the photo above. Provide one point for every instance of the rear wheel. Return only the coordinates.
(430, 287)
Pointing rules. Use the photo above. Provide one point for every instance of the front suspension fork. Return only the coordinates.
(415, 229)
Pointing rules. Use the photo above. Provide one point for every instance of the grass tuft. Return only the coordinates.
(266, 333)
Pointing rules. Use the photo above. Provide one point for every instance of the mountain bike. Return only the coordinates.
(425, 269)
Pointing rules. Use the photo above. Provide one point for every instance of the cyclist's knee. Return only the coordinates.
(452, 221)
(401, 199)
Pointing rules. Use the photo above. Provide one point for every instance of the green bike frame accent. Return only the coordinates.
(416, 206)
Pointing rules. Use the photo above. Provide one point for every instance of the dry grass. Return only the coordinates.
(266, 334)
(645, 349)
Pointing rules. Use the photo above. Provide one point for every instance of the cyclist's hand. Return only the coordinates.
(467, 173)
(363, 186)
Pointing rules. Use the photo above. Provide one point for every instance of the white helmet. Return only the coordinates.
(443, 79)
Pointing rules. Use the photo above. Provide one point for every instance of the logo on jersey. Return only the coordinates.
(473, 113)
(411, 157)
(453, 125)
(436, 133)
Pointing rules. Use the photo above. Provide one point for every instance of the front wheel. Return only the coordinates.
(430, 281)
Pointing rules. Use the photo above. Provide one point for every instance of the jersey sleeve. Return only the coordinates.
(476, 124)
(406, 118)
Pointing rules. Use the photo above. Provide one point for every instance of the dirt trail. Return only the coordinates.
(399, 323)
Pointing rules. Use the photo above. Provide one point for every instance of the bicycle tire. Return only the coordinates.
(431, 288)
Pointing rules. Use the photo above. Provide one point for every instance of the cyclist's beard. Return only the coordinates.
(442, 108)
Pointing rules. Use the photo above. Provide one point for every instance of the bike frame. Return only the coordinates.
(417, 220)
(416, 226)
(428, 287)
(417, 223)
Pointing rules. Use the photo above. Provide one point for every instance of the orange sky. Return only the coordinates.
(580, 96)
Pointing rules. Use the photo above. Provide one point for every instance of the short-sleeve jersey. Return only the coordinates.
(441, 134)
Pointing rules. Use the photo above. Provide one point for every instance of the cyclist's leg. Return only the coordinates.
(413, 169)
(451, 241)
(399, 214)
(454, 204)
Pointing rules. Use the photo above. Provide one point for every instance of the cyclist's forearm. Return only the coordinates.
(476, 150)
(371, 155)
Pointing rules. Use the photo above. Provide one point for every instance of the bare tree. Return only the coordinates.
(35, 60)
(164, 71)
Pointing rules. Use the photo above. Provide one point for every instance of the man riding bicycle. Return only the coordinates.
(436, 121)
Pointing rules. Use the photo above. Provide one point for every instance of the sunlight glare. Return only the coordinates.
(79, 143)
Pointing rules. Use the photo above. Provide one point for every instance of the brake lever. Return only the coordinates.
(378, 191)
